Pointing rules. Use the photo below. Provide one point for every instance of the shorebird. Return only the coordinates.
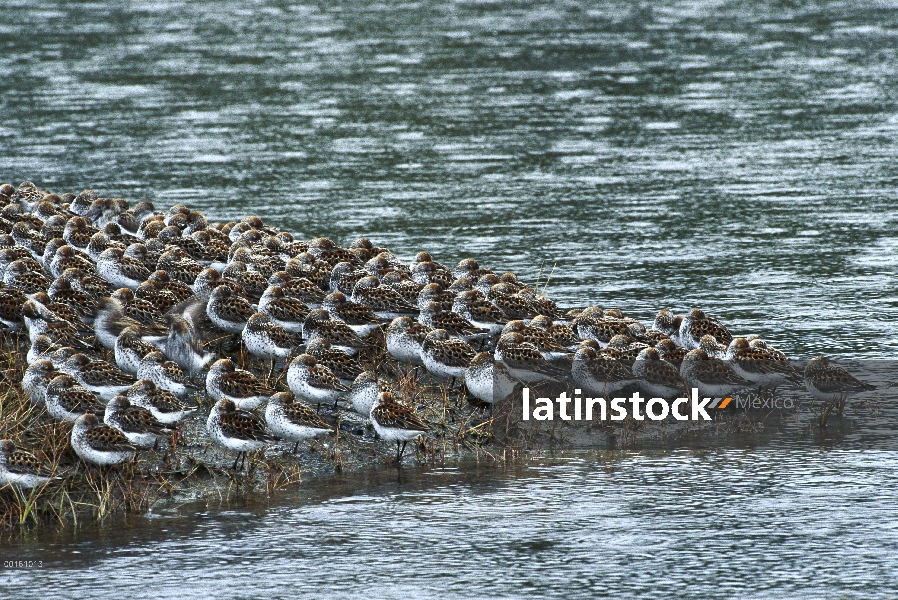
(292, 421)
(445, 356)
(336, 333)
(712, 377)
(396, 422)
(314, 382)
(23, 470)
(268, 340)
(525, 362)
(363, 392)
(165, 406)
(696, 324)
(227, 311)
(67, 400)
(226, 382)
(830, 383)
(384, 301)
(237, 430)
(166, 374)
(357, 316)
(286, 311)
(130, 349)
(103, 379)
(100, 444)
(764, 368)
(36, 379)
(658, 378)
(405, 340)
(341, 364)
(489, 380)
(138, 424)
(600, 374)
(119, 270)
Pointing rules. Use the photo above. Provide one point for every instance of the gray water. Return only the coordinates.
(739, 157)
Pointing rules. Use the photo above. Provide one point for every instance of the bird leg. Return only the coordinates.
(241, 355)
(234, 467)
(295, 447)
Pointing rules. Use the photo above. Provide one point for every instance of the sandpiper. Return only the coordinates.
(166, 374)
(98, 376)
(712, 377)
(111, 321)
(434, 292)
(67, 400)
(184, 345)
(512, 304)
(405, 340)
(560, 332)
(547, 346)
(830, 383)
(336, 333)
(36, 379)
(451, 322)
(253, 282)
(22, 469)
(357, 316)
(762, 367)
(384, 301)
(474, 307)
(286, 311)
(100, 444)
(313, 382)
(120, 270)
(142, 311)
(658, 378)
(696, 324)
(227, 311)
(430, 272)
(165, 406)
(11, 302)
(130, 350)
(396, 422)
(341, 364)
(67, 257)
(445, 356)
(525, 362)
(39, 320)
(19, 274)
(236, 429)
(363, 392)
(83, 304)
(489, 380)
(710, 346)
(136, 422)
(207, 280)
(344, 277)
(299, 288)
(267, 340)
(670, 352)
(403, 285)
(225, 381)
(292, 421)
(41, 348)
(599, 374)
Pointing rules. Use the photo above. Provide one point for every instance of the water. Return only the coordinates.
(733, 156)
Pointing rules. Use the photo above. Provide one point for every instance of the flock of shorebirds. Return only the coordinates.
(89, 278)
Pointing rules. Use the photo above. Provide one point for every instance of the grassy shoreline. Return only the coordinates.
(190, 466)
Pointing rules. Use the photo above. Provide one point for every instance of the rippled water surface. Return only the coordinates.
(736, 156)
